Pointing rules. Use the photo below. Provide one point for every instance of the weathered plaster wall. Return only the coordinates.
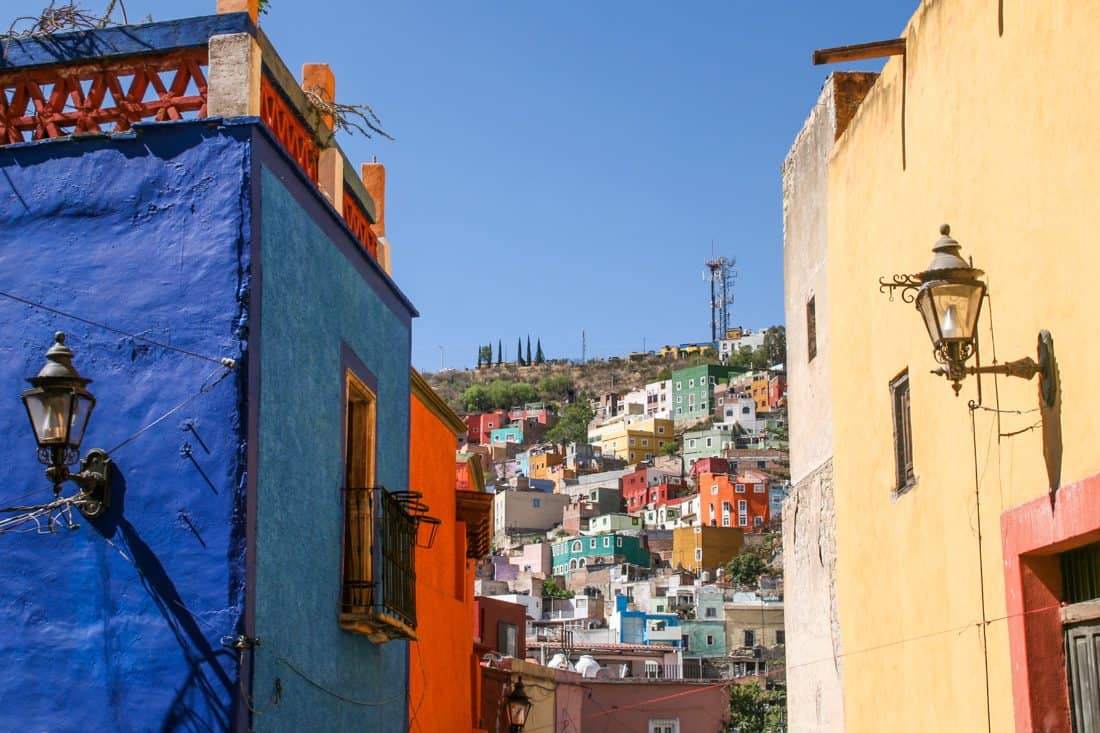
(809, 538)
(810, 614)
(996, 138)
(319, 294)
(619, 706)
(117, 625)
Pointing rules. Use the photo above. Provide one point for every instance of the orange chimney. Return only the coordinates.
(319, 79)
(252, 7)
(374, 179)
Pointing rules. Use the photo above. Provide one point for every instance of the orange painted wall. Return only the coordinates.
(442, 668)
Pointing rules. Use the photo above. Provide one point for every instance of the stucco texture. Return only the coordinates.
(995, 133)
(318, 292)
(442, 666)
(116, 626)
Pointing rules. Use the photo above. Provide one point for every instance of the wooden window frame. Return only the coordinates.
(901, 412)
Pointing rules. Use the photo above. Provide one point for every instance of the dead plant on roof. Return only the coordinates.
(58, 17)
(351, 118)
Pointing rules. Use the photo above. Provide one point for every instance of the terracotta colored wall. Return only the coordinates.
(440, 663)
(617, 706)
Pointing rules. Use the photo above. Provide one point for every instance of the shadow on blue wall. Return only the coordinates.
(208, 685)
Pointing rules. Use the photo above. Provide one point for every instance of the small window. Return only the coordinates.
(577, 546)
(903, 432)
(758, 488)
(618, 542)
(714, 490)
(744, 410)
(660, 429)
(710, 640)
(750, 637)
(607, 542)
(679, 385)
(691, 384)
(710, 442)
(711, 612)
(739, 488)
(742, 506)
(662, 726)
(757, 522)
(780, 637)
(645, 442)
(592, 543)
(742, 521)
(811, 329)
(725, 520)
(727, 507)
(698, 554)
(507, 636)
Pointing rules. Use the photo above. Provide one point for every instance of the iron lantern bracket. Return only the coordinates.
(1025, 368)
(907, 284)
(94, 480)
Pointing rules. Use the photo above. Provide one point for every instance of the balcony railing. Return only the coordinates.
(379, 583)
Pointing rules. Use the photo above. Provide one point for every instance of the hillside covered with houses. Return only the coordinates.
(636, 510)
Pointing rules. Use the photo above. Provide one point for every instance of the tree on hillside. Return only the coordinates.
(539, 357)
(554, 387)
(519, 351)
(551, 589)
(528, 350)
(485, 354)
(745, 568)
(572, 425)
(775, 345)
(754, 709)
(670, 448)
(476, 398)
(500, 352)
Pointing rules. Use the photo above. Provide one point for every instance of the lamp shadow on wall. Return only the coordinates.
(1052, 430)
(204, 700)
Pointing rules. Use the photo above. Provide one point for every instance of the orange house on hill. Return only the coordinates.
(735, 501)
(444, 671)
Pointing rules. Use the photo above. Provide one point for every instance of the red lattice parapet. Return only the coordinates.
(359, 224)
(55, 101)
(288, 128)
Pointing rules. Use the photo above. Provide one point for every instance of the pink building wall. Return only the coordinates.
(610, 707)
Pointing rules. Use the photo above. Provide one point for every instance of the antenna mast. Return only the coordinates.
(721, 274)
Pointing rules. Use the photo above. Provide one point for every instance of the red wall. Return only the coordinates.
(443, 669)
(1032, 537)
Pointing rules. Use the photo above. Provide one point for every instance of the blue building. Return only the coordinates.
(217, 267)
(639, 627)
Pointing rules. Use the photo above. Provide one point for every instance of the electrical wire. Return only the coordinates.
(202, 391)
(332, 693)
(223, 361)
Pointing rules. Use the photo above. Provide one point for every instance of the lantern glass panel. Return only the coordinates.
(518, 710)
(950, 309)
(50, 416)
(83, 404)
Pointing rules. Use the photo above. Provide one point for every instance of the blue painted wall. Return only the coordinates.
(319, 291)
(116, 625)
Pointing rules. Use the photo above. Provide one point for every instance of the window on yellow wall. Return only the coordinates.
(903, 432)
(358, 573)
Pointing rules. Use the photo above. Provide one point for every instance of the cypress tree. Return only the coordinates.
(539, 358)
(519, 351)
(528, 349)
(478, 357)
(500, 359)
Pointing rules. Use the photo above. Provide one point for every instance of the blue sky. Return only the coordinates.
(567, 166)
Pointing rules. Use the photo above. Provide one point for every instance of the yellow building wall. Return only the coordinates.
(719, 546)
(999, 141)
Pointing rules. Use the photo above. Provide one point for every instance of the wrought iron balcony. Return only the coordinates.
(379, 582)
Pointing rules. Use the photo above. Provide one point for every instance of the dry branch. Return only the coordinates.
(352, 118)
(68, 16)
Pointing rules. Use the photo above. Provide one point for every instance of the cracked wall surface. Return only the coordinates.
(815, 696)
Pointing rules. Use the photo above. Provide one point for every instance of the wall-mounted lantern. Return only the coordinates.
(59, 406)
(519, 707)
(949, 297)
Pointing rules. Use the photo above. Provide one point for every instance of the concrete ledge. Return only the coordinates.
(119, 41)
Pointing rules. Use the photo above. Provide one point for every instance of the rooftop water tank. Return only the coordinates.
(587, 666)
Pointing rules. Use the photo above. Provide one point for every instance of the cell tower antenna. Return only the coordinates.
(721, 273)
